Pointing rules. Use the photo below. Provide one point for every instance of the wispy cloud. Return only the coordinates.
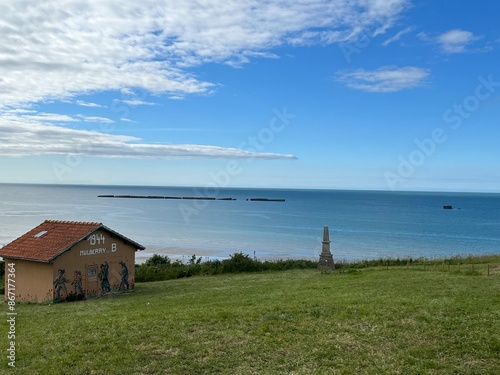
(43, 116)
(96, 46)
(19, 110)
(89, 104)
(102, 120)
(136, 102)
(384, 79)
(398, 36)
(456, 41)
(29, 136)
(30, 116)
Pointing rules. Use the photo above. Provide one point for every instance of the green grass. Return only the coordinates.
(401, 320)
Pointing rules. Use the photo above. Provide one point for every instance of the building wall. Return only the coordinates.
(33, 280)
(89, 261)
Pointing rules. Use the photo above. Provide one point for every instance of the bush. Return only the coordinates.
(239, 262)
(159, 267)
(162, 268)
(157, 260)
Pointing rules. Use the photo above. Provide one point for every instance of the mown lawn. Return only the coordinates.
(369, 321)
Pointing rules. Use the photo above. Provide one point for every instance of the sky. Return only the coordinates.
(364, 94)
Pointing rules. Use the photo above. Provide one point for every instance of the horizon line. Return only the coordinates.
(254, 188)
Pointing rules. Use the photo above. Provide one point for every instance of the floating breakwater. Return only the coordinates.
(196, 197)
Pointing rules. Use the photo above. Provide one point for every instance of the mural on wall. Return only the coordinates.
(103, 276)
(124, 274)
(77, 293)
(60, 285)
(77, 284)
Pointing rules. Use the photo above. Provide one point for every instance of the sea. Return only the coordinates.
(266, 223)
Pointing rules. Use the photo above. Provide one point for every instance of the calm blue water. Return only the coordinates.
(362, 224)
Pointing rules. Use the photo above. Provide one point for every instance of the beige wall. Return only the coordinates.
(87, 257)
(33, 280)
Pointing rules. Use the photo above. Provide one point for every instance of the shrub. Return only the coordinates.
(162, 268)
(239, 262)
(157, 260)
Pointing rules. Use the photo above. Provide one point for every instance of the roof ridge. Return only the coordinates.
(93, 223)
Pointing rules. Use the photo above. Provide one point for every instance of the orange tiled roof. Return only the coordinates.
(52, 238)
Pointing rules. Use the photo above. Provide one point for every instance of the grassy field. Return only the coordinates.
(400, 320)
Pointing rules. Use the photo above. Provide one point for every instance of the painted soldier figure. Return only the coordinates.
(124, 281)
(60, 285)
(103, 276)
(77, 283)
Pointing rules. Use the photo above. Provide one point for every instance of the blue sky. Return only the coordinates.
(389, 95)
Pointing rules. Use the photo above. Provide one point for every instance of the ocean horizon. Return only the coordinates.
(266, 223)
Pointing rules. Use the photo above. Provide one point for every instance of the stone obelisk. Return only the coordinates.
(326, 258)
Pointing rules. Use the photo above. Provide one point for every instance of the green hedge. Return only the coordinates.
(160, 267)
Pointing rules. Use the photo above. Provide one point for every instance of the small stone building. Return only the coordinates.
(64, 260)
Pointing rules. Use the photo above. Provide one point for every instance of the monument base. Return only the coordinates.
(326, 263)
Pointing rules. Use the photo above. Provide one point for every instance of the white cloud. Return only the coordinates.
(88, 104)
(456, 41)
(55, 51)
(398, 36)
(384, 79)
(103, 120)
(46, 117)
(134, 102)
(19, 110)
(29, 136)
